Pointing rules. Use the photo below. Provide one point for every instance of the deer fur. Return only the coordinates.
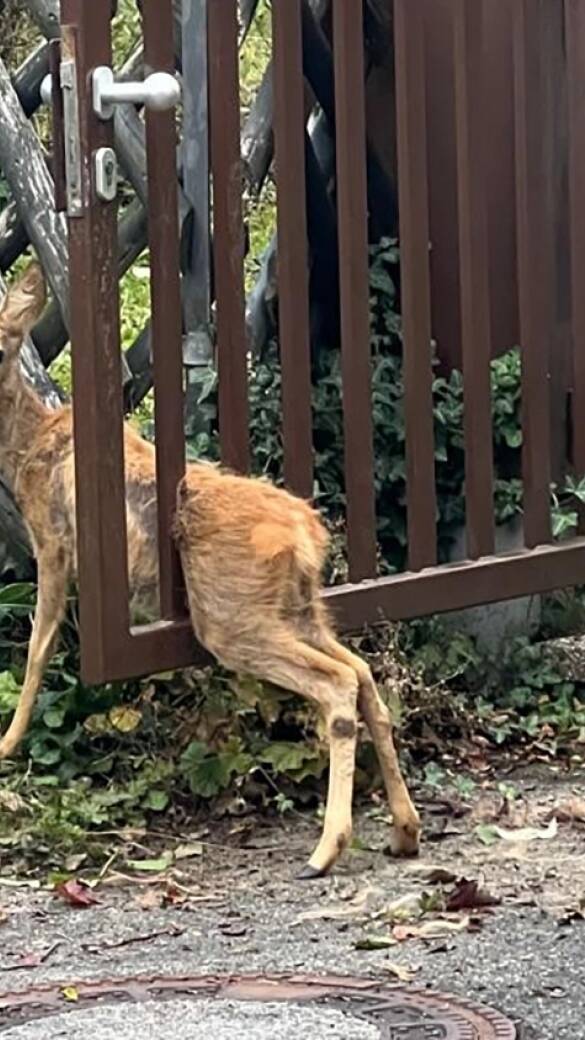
(252, 557)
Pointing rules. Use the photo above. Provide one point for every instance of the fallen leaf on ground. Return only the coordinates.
(486, 833)
(125, 719)
(150, 900)
(572, 811)
(156, 866)
(33, 959)
(412, 906)
(334, 912)
(188, 851)
(432, 873)
(73, 863)
(76, 894)
(529, 833)
(429, 930)
(375, 942)
(468, 895)
(70, 993)
(12, 802)
(401, 971)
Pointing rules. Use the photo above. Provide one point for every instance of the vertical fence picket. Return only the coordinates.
(474, 278)
(228, 231)
(167, 347)
(352, 204)
(535, 267)
(575, 36)
(293, 274)
(415, 282)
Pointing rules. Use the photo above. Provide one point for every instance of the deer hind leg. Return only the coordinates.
(404, 839)
(53, 576)
(278, 656)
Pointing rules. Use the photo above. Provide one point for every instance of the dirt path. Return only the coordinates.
(230, 903)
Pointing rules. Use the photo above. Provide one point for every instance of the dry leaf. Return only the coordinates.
(125, 719)
(76, 894)
(467, 895)
(572, 811)
(525, 834)
(432, 873)
(12, 802)
(375, 942)
(401, 971)
(429, 930)
(70, 993)
(353, 908)
(188, 851)
(150, 900)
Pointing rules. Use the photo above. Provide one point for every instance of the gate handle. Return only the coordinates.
(159, 92)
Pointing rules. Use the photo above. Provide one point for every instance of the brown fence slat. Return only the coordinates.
(415, 282)
(575, 36)
(293, 277)
(97, 412)
(167, 347)
(535, 270)
(228, 231)
(474, 278)
(352, 207)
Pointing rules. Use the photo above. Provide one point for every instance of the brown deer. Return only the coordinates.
(252, 556)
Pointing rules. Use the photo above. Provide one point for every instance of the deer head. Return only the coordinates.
(22, 306)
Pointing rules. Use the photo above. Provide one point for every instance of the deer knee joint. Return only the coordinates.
(343, 728)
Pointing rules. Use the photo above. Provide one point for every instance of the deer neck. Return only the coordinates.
(21, 415)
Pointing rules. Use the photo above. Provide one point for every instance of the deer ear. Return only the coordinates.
(24, 303)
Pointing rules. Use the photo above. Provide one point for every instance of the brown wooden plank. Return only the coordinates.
(459, 585)
(228, 232)
(474, 278)
(415, 282)
(352, 205)
(293, 268)
(95, 336)
(535, 268)
(167, 347)
(575, 43)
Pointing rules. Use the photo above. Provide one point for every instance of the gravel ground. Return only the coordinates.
(242, 911)
(182, 1020)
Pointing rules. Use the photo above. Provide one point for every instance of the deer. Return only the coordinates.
(252, 556)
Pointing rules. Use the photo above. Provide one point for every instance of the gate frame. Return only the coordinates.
(110, 648)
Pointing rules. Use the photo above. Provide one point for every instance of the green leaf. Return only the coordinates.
(153, 866)
(157, 801)
(486, 833)
(54, 717)
(9, 692)
(287, 757)
(375, 942)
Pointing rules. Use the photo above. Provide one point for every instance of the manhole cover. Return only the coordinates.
(245, 1008)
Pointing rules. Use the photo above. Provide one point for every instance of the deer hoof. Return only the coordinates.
(309, 873)
(404, 841)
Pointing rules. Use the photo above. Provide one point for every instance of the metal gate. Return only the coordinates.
(110, 647)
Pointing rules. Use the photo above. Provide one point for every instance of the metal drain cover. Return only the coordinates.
(248, 1007)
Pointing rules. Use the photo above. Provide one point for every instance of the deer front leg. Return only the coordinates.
(53, 575)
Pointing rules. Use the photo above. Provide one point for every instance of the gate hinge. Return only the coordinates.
(60, 91)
